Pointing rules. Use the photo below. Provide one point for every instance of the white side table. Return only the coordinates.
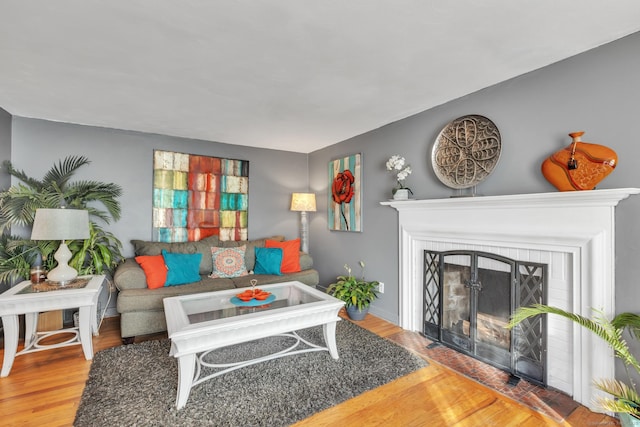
(18, 300)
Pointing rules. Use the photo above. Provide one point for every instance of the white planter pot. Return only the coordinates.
(401, 194)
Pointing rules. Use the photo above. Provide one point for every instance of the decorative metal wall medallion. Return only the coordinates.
(466, 151)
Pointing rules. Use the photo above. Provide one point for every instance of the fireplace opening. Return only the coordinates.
(469, 297)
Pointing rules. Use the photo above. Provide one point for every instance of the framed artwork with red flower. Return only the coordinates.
(345, 195)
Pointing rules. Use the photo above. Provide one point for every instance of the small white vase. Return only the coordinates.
(401, 194)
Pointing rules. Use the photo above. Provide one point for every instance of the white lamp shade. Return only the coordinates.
(60, 224)
(303, 202)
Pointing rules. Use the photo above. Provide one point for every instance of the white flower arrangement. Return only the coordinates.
(398, 165)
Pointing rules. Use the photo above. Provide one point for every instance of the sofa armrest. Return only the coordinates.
(129, 275)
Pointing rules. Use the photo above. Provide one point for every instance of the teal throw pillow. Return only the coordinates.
(181, 268)
(268, 261)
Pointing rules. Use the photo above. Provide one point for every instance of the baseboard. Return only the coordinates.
(384, 314)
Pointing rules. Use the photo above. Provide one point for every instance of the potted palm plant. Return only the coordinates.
(357, 294)
(624, 400)
(99, 254)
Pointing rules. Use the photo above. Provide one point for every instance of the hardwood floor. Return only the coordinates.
(44, 389)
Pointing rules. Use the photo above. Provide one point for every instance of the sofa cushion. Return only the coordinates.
(268, 261)
(136, 300)
(129, 275)
(155, 270)
(291, 254)
(249, 255)
(181, 268)
(306, 262)
(228, 262)
(204, 247)
(143, 247)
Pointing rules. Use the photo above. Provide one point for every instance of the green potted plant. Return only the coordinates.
(17, 255)
(625, 400)
(99, 254)
(357, 294)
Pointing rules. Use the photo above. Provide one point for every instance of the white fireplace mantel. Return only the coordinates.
(580, 225)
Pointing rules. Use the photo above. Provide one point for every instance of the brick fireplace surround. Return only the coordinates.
(572, 232)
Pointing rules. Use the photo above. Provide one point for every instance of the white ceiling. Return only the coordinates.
(295, 75)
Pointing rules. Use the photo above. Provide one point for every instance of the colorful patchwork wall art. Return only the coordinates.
(345, 195)
(199, 196)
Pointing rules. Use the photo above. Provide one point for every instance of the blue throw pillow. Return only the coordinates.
(181, 268)
(268, 261)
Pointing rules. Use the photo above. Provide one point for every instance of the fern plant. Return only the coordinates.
(624, 397)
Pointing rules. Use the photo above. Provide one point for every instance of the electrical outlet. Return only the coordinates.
(381, 287)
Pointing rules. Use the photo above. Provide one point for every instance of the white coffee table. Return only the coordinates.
(20, 300)
(200, 323)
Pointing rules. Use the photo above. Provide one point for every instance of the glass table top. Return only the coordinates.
(218, 305)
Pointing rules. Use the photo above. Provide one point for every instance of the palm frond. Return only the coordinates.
(18, 205)
(16, 257)
(625, 398)
(630, 321)
(22, 176)
(60, 173)
(523, 313)
(80, 193)
(611, 405)
(619, 390)
(601, 326)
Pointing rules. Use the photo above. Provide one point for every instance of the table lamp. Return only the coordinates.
(303, 203)
(61, 224)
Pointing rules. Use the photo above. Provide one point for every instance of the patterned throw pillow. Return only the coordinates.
(228, 262)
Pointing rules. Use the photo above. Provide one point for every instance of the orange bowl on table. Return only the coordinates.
(262, 296)
(249, 294)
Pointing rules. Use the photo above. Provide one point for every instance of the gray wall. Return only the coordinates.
(596, 92)
(5, 146)
(126, 158)
(5, 154)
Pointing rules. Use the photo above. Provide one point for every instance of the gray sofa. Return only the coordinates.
(141, 309)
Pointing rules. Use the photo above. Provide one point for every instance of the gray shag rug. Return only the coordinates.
(135, 385)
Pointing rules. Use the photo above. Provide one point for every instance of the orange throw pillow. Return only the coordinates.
(290, 254)
(155, 270)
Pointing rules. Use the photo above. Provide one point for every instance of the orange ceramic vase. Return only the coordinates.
(580, 166)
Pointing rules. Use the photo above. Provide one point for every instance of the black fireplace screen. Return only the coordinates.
(468, 299)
